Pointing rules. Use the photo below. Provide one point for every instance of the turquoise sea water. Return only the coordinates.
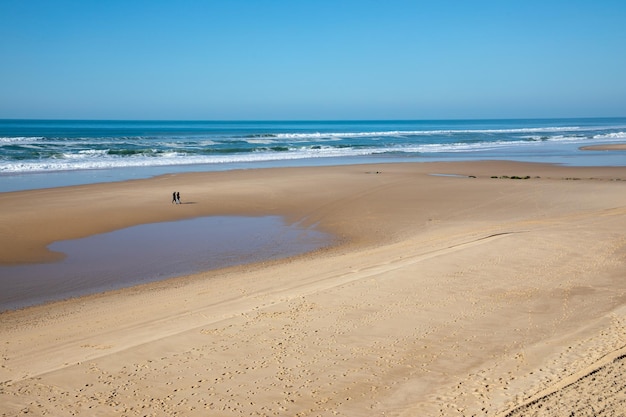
(48, 153)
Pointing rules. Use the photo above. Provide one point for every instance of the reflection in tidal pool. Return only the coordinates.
(153, 252)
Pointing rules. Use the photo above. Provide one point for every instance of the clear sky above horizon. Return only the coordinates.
(309, 60)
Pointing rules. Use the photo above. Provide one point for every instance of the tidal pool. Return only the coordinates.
(153, 252)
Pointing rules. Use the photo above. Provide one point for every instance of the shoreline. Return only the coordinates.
(457, 287)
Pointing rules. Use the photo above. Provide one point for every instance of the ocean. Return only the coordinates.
(51, 153)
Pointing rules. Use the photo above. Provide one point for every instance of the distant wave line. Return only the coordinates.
(210, 136)
(424, 132)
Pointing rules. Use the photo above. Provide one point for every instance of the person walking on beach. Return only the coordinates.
(174, 198)
(178, 198)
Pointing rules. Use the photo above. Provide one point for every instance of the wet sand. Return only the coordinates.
(488, 289)
(607, 147)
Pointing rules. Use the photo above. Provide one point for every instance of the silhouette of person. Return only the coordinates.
(174, 201)
(178, 198)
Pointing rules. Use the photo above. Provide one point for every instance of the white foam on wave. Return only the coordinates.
(20, 139)
(184, 144)
(101, 159)
(87, 153)
(611, 136)
(261, 141)
(400, 133)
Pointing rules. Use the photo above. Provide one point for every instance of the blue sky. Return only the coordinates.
(324, 59)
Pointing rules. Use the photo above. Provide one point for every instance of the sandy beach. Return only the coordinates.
(454, 289)
(605, 147)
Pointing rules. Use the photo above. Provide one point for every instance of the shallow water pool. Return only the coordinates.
(153, 252)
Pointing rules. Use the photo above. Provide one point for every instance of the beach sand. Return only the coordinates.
(605, 147)
(455, 289)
